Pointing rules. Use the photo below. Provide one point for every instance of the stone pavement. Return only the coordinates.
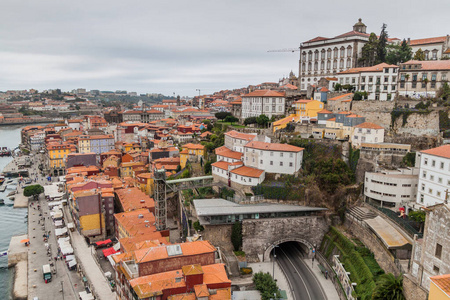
(65, 284)
(99, 284)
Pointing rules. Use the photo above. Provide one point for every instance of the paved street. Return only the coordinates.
(68, 281)
(306, 283)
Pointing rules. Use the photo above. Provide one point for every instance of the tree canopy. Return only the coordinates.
(397, 54)
(222, 115)
(420, 55)
(389, 287)
(369, 52)
(262, 120)
(33, 190)
(381, 45)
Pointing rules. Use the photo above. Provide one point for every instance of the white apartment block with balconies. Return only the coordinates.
(391, 188)
(434, 176)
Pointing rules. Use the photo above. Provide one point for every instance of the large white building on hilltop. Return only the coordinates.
(434, 176)
(325, 57)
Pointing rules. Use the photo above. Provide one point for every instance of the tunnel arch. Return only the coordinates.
(269, 248)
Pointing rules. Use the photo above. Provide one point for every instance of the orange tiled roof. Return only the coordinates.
(134, 225)
(224, 151)
(442, 282)
(341, 96)
(247, 172)
(289, 86)
(376, 68)
(324, 111)
(429, 65)
(239, 135)
(317, 39)
(442, 151)
(265, 93)
(273, 146)
(369, 125)
(221, 165)
(133, 198)
(432, 40)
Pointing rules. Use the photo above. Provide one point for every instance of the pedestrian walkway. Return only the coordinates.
(266, 267)
(100, 285)
(326, 283)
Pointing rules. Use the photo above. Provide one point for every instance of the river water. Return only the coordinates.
(12, 220)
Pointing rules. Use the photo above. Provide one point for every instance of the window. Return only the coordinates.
(281, 154)
(423, 187)
(440, 179)
(261, 161)
(291, 155)
(438, 252)
(291, 164)
(433, 163)
(271, 162)
(438, 193)
(436, 269)
(425, 161)
(342, 52)
(421, 198)
(271, 153)
(281, 163)
(430, 191)
(424, 174)
(386, 70)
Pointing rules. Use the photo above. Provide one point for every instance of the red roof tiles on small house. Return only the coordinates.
(369, 125)
(247, 172)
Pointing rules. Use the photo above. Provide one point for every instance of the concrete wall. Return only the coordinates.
(411, 290)
(259, 235)
(383, 257)
(378, 112)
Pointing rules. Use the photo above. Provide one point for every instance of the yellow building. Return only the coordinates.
(126, 168)
(111, 162)
(280, 124)
(146, 183)
(56, 156)
(191, 152)
(439, 287)
(132, 147)
(307, 109)
(84, 144)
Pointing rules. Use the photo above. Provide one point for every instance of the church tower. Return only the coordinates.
(360, 26)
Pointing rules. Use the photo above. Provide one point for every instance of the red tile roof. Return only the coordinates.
(265, 93)
(221, 165)
(376, 68)
(442, 282)
(433, 40)
(247, 172)
(429, 65)
(324, 111)
(442, 151)
(273, 146)
(341, 96)
(352, 33)
(224, 151)
(369, 125)
(239, 135)
(317, 39)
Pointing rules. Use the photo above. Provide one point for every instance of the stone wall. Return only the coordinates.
(416, 142)
(411, 290)
(383, 257)
(378, 112)
(418, 124)
(219, 236)
(258, 235)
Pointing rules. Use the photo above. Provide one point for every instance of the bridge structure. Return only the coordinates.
(163, 187)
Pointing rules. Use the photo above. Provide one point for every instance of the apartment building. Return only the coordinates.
(236, 141)
(96, 143)
(423, 78)
(379, 81)
(391, 188)
(434, 48)
(263, 102)
(366, 133)
(434, 176)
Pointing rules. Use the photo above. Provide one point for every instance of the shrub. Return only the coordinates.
(265, 284)
(198, 227)
(236, 235)
(246, 271)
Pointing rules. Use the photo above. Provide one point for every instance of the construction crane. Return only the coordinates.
(285, 50)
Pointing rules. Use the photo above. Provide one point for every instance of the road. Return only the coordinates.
(289, 256)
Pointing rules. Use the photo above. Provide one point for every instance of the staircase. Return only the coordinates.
(361, 213)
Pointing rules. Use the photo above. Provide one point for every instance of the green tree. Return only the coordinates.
(236, 236)
(418, 216)
(409, 160)
(207, 167)
(381, 45)
(266, 285)
(222, 115)
(231, 119)
(369, 52)
(33, 190)
(338, 87)
(389, 287)
(397, 54)
(262, 120)
(444, 91)
(250, 120)
(419, 55)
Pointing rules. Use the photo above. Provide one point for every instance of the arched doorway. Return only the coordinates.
(306, 246)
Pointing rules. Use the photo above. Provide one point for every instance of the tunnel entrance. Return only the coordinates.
(305, 246)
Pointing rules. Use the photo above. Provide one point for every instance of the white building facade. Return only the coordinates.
(367, 133)
(379, 81)
(236, 141)
(263, 102)
(434, 176)
(273, 157)
(392, 188)
(325, 57)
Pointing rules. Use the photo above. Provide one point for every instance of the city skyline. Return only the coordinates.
(154, 48)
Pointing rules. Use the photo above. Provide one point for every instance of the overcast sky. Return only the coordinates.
(179, 46)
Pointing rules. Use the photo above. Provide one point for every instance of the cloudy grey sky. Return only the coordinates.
(179, 46)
